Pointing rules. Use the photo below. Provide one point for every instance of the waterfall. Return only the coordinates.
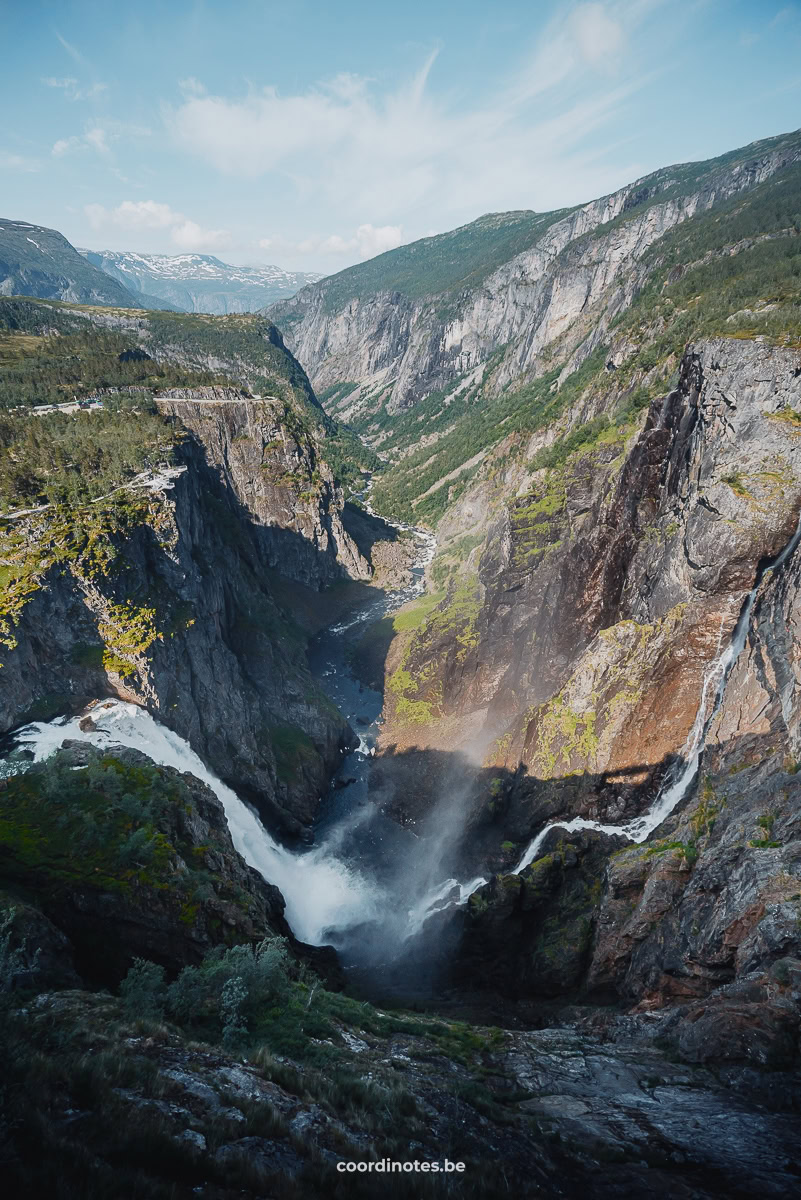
(714, 685)
(325, 894)
(320, 890)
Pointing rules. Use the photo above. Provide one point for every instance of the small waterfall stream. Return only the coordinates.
(714, 686)
(335, 885)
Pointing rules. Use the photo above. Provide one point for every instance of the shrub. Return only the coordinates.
(142, 990)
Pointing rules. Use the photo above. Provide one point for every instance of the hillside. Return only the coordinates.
(202, 467)
(36, 261)
(434, 365)
(199, 282)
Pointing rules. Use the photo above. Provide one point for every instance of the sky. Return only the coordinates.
(315, 134)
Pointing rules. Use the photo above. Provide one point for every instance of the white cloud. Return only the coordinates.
(73, 51)
(367, 241)
(599, 37)
(18, 162)
(68, 84)
(98, 138)
(133, 215)
(393, 155)
(72, 90)
(93, 139)
(65, 145)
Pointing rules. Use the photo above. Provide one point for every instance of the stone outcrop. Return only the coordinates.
(271, 470)
(167, 601)
(171, 904)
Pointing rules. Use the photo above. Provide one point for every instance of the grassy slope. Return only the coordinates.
(52, 352)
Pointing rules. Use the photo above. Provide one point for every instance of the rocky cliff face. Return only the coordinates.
(567, 288)
(704, 915)
(165, 598)
(271, 470)
(610, 581)
(167, 590)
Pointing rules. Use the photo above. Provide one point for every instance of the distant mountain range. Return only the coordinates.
(200, 282)
(37, 261)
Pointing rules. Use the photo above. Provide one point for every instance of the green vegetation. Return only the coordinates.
(106, 826)
(440, 629)
(733, 271)
(74, 458)
(349, 458)
(471, 423)
(447, 263)
(40, 262)
(87, 540)
(686, 851)
(413, 615)
(293, 750)
(51, 354)
(765, 822)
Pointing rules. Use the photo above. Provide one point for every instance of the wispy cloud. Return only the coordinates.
(98, 138)
(93, 139)
(73, 90)
(18, 162)
(367, 241)
(73, 51)
(140, 215)
(390, 154)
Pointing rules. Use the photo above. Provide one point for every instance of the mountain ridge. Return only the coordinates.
(200, 282)
(49, 267)
(394, 348)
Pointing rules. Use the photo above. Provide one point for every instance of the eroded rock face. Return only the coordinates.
(570, 281)
(706, 915)
(610, 586)
(182, 619)
(271, 469)
(729, 938)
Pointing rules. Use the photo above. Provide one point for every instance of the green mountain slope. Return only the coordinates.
(36, 261)
(735, 270)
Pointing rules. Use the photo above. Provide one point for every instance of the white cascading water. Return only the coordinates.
(714, 685)
(323, 893)
(320, 890)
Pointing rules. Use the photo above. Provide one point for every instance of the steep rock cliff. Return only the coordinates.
(271, 469)
(608, 586)
(704, 916)
(164, 598)
(578, 273)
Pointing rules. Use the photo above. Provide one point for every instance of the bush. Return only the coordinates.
(142, 990)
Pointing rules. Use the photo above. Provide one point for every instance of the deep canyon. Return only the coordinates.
(401, 693)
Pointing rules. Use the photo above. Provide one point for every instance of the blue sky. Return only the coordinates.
(316, 134)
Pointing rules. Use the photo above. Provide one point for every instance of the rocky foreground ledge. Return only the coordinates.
(553, 1113)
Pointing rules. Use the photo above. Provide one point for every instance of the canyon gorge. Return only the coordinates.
(401, 712)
